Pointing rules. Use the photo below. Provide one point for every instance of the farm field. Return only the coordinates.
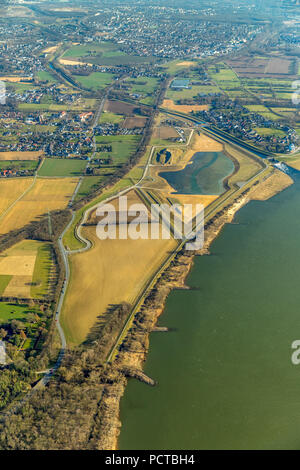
(46, 195)
(25, 270)
(183, 108)
(131, 264)
(62, 167)
(261, 67)
(164, 134)
(133, 122)
(119, 107)
(10, 192)
(20, 155)
(13, 79)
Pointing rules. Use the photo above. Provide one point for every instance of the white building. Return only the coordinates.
(2, 353)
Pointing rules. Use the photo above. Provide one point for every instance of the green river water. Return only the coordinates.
(225, 377)
(204, 174)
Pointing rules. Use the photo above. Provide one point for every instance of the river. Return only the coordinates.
(225, 377)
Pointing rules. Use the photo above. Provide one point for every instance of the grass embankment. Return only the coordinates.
(70, 240)
(247, 166)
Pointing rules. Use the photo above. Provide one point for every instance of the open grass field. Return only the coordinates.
(106, 53)
(10, 192)
(78, 50)
(11, 311)
(20, 155)
(131, 263)
(123, 146)
(184, 94)
(178, 65)
(120, 58)
(18, 164)
(45, 76)
(96, 80)
(223, 75)
(62, 167)
(46, 194)
(169, 104)
(88, 184)
(145, 85)
(260, 109)
(293, 162)
(111, 118)
(269, 131)
(26, 266)
(41, 106)
(285, 111)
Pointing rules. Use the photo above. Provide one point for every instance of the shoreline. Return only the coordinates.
(133, 354)
(136, 358)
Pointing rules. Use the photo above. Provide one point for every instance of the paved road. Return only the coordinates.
(65, 255)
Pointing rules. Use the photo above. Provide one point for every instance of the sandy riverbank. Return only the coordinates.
(136, 344)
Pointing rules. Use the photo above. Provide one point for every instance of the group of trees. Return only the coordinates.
(67, 414)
